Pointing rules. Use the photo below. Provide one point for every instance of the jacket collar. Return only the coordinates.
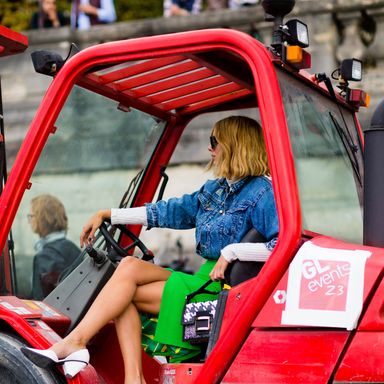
(50, 238)
(233, 187)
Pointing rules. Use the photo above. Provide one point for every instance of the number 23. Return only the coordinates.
(337, 290)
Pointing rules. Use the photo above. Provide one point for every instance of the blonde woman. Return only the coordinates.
(55, 252)
(222, 211)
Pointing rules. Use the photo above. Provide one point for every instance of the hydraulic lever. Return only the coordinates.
(100, 257)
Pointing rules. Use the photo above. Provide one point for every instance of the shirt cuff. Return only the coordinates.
(137, 215)
(246, 252)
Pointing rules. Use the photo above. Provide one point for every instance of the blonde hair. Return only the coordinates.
(49, 213)
(242, 148)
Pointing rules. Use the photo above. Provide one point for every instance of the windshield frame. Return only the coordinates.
(313, 114)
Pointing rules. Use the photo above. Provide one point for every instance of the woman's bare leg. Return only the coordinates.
(112, 301)
(128, 329)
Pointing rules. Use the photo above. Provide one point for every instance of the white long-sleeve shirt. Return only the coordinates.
(236, 251)
(137, 215)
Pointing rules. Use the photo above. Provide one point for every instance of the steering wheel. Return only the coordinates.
(147, 254)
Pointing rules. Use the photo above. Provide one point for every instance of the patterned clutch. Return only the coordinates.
(197, 321)
(198, 317)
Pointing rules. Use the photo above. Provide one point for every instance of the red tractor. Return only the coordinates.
(314, 312)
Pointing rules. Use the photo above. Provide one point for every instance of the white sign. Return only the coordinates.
(325, 287)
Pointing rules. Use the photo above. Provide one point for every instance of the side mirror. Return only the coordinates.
(46, 62)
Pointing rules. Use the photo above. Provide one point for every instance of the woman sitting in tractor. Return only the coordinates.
(222, 211)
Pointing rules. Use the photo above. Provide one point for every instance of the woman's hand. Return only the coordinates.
(218, 270)
(177, 11)
(52, 15)
(88, 9)
(87, 235)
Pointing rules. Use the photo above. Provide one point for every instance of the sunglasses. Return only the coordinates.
(213, 142)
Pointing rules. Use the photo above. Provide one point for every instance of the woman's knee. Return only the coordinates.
(128, 267)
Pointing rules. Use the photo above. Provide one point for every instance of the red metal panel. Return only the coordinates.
(204, 104)
(373, 319)
(133, 70)
(11, 42)
(91, 83)
(36, 331)
(156, 75)
(270, 315)
(180, 373)
(363, 362)
(160, 100)
(41, 316)
(201, 96)
(188, 89)
(182, 79)
(233, 76)
(150, 73)
(287, 356)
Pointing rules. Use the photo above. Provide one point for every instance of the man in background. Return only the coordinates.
(86, 13)
(48, 16)
(181, 7)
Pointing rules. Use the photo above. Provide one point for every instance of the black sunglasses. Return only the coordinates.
(213, 142)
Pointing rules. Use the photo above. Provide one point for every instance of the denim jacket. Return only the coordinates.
(222, 214)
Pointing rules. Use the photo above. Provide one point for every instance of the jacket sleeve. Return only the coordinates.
(265, 219)
(175, 213)
(42, 263)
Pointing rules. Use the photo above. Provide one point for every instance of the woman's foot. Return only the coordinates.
(65, 347)
(44, 358)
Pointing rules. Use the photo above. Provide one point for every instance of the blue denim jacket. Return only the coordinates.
(221, 214)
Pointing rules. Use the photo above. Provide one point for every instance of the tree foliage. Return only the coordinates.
(16, 14)
(138, 9)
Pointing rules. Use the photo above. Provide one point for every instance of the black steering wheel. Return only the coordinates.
(147, 254)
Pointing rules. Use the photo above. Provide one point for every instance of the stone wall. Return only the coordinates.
(337, 30)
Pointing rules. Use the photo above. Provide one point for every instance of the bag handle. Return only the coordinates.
(201, 290)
